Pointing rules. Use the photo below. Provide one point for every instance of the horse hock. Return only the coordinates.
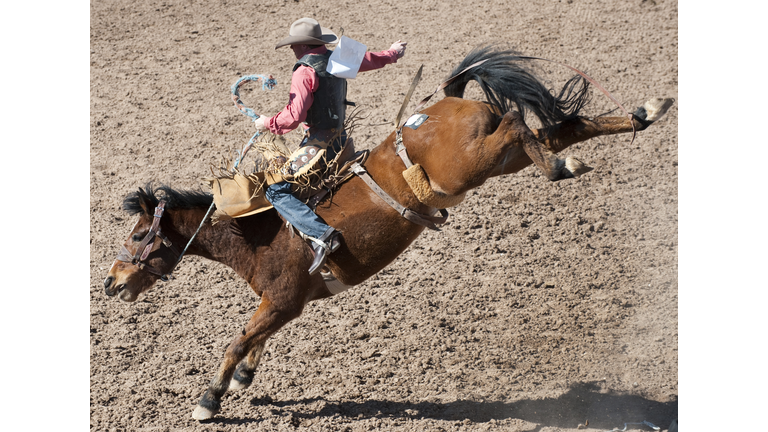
(553, 167)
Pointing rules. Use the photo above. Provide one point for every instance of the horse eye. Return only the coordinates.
(136, 238)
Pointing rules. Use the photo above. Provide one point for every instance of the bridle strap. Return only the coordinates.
(145, 247)
(147, 244)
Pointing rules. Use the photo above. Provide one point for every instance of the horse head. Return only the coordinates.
(148, 254)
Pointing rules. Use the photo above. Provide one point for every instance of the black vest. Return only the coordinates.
(328, 109)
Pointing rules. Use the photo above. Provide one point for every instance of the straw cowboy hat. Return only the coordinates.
(308, 31)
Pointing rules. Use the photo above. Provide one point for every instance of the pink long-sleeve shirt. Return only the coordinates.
(304, 84)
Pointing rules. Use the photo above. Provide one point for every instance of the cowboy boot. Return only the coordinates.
(329, 242)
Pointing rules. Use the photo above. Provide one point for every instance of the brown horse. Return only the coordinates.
(460, 145)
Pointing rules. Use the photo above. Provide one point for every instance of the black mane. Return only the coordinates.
(174, 198)
(507, 82)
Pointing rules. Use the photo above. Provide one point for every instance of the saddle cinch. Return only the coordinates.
(312, 177)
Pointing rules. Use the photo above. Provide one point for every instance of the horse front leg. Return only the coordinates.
(267, 320)
(244, 373)
(562, 135)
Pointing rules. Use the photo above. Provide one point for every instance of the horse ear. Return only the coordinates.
(145, 202)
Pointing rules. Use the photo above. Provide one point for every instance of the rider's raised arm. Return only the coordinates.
(378, 60)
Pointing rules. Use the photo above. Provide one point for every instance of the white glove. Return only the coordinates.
(399, 46)
(259, 123)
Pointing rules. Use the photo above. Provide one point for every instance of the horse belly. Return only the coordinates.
(373, 234)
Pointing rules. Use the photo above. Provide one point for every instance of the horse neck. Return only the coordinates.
(214, 242)
(231, 243)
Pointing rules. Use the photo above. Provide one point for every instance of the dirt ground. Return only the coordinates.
(538, 307)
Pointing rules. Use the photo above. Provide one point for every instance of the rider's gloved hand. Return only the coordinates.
(259, 123)
(399, 46)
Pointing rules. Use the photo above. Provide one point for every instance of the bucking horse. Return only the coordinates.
(403, 187)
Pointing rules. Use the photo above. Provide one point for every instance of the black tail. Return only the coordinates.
(505, 81)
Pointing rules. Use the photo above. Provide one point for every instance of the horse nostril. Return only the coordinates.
(108, 282)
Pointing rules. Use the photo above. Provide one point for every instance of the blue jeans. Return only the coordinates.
(293, 209)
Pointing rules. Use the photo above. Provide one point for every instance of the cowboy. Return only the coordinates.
(318, 99)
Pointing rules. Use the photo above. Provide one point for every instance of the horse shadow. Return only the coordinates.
(582, 402)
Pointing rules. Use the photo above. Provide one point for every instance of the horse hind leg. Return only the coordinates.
(550, 165)
(562, 135)
(245, 371)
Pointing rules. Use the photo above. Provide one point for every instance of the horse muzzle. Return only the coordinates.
(121, 290)
(110, 288)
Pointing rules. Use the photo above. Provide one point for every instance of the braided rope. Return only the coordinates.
(267, 83)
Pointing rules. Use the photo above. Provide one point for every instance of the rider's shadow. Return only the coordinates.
(582, 402)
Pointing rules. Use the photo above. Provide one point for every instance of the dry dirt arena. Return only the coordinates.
(540, 306)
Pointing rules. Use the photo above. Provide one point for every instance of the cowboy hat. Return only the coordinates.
(308, 31)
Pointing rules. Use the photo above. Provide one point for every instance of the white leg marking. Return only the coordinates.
(201, 413)
(236, 385)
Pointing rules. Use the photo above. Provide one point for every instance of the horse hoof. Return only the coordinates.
(237, 385)
(201, 413)
(654, 109)
(574, 168)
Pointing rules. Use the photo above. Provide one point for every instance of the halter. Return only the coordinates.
(148, 244)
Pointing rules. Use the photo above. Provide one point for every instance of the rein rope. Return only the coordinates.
(267, 83)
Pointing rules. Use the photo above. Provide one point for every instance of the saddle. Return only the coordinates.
(237, 194)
